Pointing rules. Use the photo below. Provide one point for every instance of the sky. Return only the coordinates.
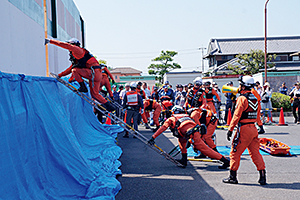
(133, 32)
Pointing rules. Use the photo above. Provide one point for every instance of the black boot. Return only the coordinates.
(155, 129)
(183, 160)
(261, 130)
(200, 156)
(262, 177)
(147, 126)
(226, 163)
(215, 149)
(108, 106)
(232, 178)
(82, 87)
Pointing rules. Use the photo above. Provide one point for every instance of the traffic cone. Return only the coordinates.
(125, 116)
(108, 120)
(281, 119)
(229, 117)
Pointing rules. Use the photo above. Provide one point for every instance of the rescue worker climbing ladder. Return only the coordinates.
(85, 65)
(117, 120)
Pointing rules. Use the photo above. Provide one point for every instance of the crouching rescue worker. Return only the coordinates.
(85, 65)
(149, 106)
(205, 116)
(184, 128)
(245, 115)
(132, 102)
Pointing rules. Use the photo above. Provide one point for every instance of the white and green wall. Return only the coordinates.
(22, 34)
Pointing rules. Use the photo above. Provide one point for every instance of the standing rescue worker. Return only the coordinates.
(132, 102)
(149, 106)
(205, 116)
(245, 115)
(210, 93)
(195, 96)
(184, 128)
(85, 65)
(105, 80)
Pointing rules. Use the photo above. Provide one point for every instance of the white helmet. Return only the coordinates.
(74, 41)
(177, 110)
(247, 81)
(197, 81)
(133, 84)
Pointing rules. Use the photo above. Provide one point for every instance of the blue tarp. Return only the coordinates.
(51, 144)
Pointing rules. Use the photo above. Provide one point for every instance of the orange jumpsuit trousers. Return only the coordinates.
(183, 128)
(248, 136)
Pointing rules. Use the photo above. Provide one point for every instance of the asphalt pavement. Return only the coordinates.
(147, 175)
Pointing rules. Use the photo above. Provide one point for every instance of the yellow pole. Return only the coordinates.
(46, 36)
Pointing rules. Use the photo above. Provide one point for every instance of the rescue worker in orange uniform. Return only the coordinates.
(105, 81)
(195, 96)
(245, 115)
(139, 89)
(150, 105)
(209, 94)
(205, 116)
(132, 102)
(85, 65)
(185, 128)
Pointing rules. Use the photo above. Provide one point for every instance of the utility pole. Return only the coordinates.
(266, 41)
(202, 48)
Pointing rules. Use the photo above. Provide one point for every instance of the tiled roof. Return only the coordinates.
(288, 44)
(125, 70)
(279, 66)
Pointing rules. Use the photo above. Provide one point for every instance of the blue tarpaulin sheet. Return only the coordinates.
(51, 144)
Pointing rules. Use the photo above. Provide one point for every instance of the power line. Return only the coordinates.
(104, 53)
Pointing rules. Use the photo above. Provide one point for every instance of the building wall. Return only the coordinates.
(277, 78)
(22, 33)
(119, 74)
(181, 78)
(150, 80)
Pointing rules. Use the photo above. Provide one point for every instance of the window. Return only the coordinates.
(295, 58)
(53, 16)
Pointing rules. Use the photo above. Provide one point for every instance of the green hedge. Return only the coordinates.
(280, 100)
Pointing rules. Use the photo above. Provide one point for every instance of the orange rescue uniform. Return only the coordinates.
(195, 98)
(209, 93)
(105, 81)
(183, 128)
(204, 116)
(150, 105)
(248, 132)
(85, 72)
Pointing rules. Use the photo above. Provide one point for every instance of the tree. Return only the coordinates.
(253, 61)
(166, 64)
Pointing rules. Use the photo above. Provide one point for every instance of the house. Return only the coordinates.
(124, 75)
(222, 52)
(180, 77)
(124, 71)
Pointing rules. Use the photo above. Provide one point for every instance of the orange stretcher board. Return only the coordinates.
(274, 147)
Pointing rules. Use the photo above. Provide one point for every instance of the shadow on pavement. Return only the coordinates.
(147, 175)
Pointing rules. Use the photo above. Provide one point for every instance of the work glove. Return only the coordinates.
(261, 130)
(47, 40)
(151, 141)
(113, 81)
(229, 134)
